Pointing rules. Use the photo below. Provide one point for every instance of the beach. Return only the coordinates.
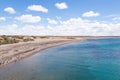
(14, 52)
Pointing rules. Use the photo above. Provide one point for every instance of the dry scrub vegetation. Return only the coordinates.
(15, 39)
(5, 39)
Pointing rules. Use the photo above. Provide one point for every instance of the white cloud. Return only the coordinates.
(51, 21)
(2, 19)
(37, 8)
(71, 27)
(112, 15)
(91, 14)
(62, 5)
(8, 29)
(10, 10)
(29, 18)
(116, 18)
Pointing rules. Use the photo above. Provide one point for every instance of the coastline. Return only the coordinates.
(11, 53)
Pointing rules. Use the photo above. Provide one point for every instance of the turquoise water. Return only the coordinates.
(87, 60)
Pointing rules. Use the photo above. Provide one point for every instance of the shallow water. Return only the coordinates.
(87, 60)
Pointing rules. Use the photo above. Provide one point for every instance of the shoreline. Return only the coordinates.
(18, 51)
(11, 53)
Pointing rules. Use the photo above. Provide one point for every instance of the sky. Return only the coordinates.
(60, 17)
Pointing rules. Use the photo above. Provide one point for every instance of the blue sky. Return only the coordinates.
(60, 17)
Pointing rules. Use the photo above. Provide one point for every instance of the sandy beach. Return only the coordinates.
(14, 52)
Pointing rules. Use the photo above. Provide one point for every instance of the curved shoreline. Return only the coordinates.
(11, 53)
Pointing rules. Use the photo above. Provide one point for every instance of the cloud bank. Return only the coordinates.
(71, 27)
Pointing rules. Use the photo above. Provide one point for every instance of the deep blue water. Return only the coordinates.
(86, 60)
